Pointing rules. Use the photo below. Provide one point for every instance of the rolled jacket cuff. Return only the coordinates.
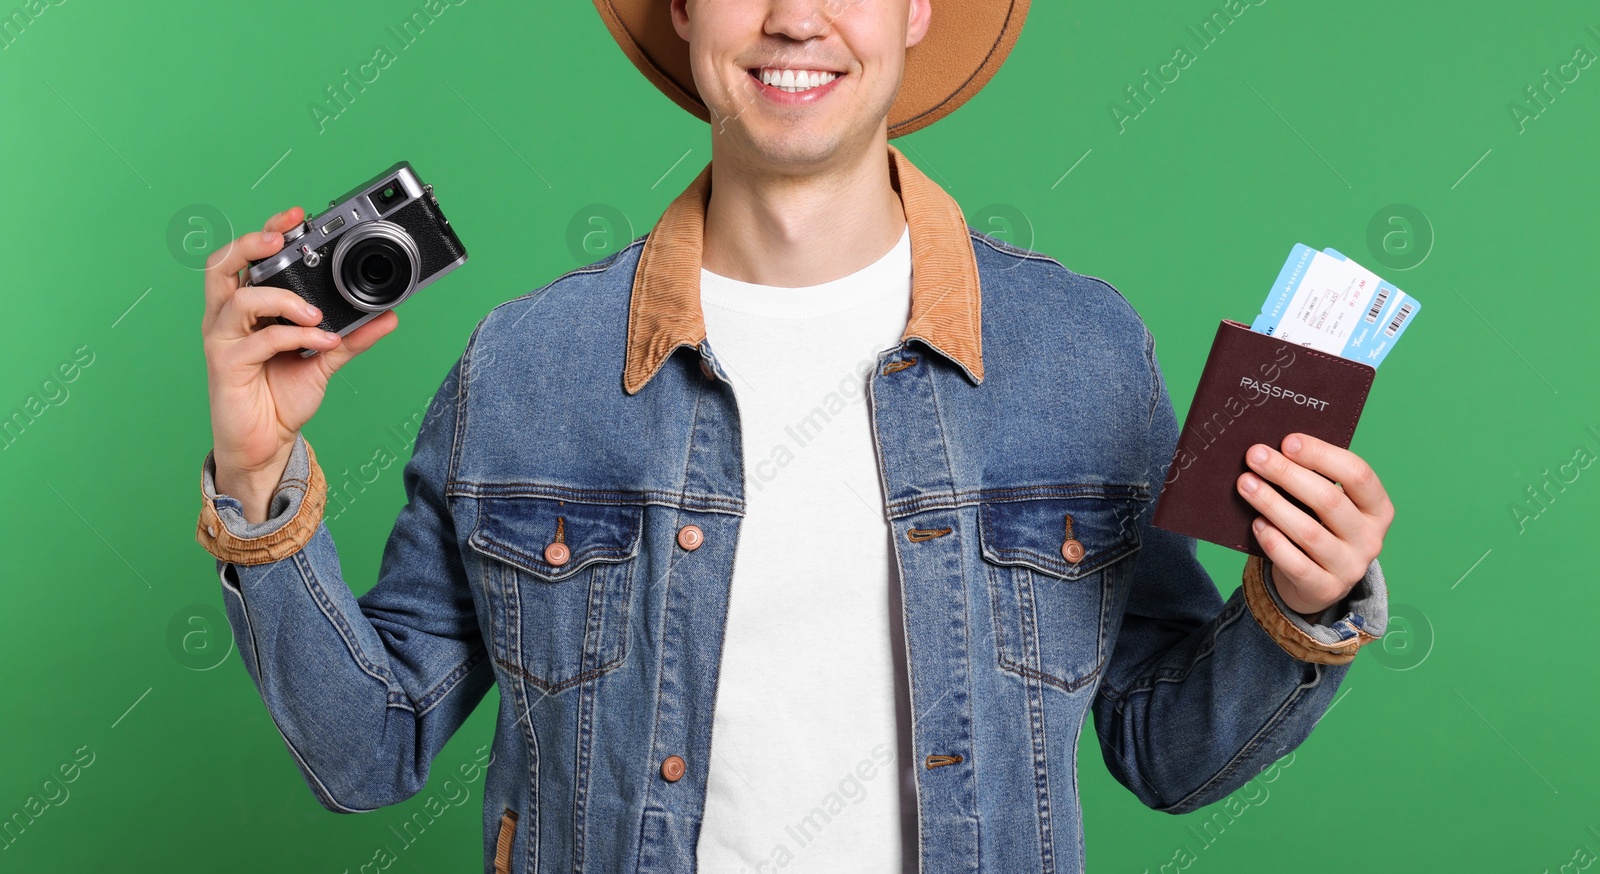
(294, 513)
(1340, 630)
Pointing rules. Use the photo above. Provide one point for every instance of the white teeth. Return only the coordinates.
(796, 80)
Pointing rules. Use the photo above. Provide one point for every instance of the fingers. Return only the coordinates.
(269, 341)
(1304, 585)
(224, 264)
(249, 305)
(1330, 553)
(285, 220)
(1348, 469)
(1332, 506)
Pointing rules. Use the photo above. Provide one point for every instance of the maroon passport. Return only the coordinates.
(1254, 389)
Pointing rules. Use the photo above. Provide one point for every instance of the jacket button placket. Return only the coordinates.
(693, 578)
(930, 544)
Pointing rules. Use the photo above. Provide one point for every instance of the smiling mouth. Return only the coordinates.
(793, 81)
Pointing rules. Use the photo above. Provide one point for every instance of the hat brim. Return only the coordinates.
(966, 42)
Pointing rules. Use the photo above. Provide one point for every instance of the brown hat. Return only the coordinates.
(966, 43)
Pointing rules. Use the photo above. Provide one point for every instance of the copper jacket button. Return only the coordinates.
(557, 554)
(705, 368)
(672, 768)
(690, 537)
(1072, 551)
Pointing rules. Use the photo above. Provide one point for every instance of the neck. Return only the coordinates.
(798, 229)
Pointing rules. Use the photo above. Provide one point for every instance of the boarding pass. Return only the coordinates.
(1330, 303)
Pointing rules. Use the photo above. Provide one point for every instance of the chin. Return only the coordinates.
(798, 147)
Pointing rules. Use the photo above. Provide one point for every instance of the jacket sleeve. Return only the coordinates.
(365, 691)
(1201, 694)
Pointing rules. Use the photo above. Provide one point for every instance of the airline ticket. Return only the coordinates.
(1328, 302)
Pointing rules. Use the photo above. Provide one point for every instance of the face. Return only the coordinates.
(845, 60)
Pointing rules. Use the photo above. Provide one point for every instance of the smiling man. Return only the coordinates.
(802, 534)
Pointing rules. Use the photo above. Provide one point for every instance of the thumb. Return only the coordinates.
(359, 340)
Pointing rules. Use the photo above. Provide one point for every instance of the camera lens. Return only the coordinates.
(373, 272)
(377, 268)
(375, 265)
(370, 272)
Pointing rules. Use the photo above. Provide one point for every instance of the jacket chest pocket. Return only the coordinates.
(1054, 566)
(558, 582)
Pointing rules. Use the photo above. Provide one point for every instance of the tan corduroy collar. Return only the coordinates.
(665, 309)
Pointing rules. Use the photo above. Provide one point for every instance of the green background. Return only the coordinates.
(1463, 741)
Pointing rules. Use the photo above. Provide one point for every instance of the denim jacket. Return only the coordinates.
(573, 507)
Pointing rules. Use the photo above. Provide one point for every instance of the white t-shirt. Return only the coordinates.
(810, 744)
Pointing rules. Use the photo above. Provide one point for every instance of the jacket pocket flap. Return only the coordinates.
(517, 531)
(1033, 531)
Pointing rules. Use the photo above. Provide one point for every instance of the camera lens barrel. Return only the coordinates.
(376, 265)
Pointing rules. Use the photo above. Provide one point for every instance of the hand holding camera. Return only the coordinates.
(325, 286)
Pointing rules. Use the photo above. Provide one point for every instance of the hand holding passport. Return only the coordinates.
(1305, 365)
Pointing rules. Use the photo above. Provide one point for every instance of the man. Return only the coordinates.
(934, 455)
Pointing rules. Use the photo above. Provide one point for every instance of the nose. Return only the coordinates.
(799, 20)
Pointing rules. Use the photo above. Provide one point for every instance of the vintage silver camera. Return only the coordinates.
(380, 243)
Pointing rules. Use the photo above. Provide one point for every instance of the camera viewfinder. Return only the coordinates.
(387, 195)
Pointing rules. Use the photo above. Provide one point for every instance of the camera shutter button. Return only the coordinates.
(294, 233)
